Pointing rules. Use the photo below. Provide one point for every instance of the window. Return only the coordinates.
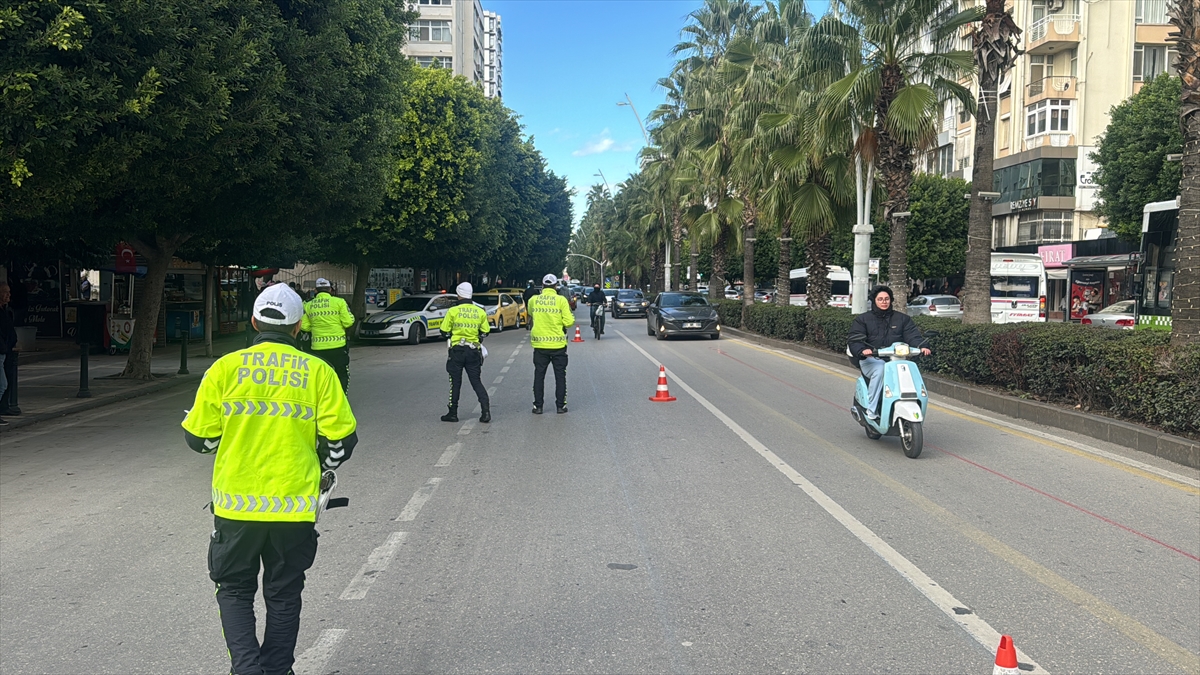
(1150, 61)
(446, 62)
(998, 231)
(945, 160)
(1049, 116)
(1151, 11)
(429, 31)
(1047, 177)
(1045, 226)
(964, 116)
(1003, 131)
(443, 3)
(1040, 67)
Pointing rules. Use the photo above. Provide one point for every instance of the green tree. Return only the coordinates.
(1131, 156)
(937, 230)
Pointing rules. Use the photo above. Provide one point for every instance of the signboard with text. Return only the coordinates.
(1057, 254)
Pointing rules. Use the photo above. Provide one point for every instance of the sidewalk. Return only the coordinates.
(48, 388)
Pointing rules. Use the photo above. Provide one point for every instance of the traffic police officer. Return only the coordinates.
(274, 417)
(467, 323)
(551, 316)
(327, 317)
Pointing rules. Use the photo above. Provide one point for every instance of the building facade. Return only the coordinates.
(493, 56)
(450, 34)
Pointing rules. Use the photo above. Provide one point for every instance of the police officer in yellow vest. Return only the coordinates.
(327, 317)
(274, 417)
(551, 316)
(467, 323)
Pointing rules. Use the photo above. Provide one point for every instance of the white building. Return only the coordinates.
(493, 53)
(450, 34)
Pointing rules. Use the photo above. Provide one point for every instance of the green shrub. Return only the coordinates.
(730, 312)
(784, 322)
(829, 327)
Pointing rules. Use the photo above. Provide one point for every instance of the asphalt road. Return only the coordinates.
(749, 526)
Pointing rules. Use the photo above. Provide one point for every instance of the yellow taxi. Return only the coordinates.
(518, 295)
(502, 310)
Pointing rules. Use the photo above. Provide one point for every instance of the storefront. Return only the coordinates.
(235, 297)
(37, 295)
(1098, 281)
(1054, 258)
(183, 300)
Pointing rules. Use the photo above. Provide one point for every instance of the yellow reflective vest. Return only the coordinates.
(267, 404)
(327, 317)
(465, 322)
(551, 315)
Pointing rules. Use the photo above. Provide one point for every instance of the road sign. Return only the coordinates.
(873, 267)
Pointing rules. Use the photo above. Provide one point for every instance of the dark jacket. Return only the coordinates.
(8, 335)
(597, 296)
(528, 294)
(875, 329)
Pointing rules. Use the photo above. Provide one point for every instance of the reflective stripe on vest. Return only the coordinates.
(270, 409)
(263, 504)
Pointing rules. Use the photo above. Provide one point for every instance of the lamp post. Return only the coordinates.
(628, 102)
(580, 255)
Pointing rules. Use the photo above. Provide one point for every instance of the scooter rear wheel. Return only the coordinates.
(911, 437)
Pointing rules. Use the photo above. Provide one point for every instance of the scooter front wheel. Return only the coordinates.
(911, 437)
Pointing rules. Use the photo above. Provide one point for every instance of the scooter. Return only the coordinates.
(903, 404)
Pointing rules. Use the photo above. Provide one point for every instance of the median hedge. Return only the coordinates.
(1135, 375)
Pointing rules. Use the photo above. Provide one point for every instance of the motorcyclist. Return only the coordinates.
(597, 299)
(880, 327)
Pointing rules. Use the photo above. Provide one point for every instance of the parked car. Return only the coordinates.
(945, 306)
(764, 295)
(1117, 315)
(502, 311)
(702, 288)
(410, 319)
(518, 296)
(682, 314)
(733, 292)
(630, 301)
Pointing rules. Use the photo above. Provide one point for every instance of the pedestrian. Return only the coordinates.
(276, 419)
(8, 347)
(468, 324)
(551, 315)
(327, 317)
(528, 295)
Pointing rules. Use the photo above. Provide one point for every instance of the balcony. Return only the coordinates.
(1053, 33)
(1058, 86)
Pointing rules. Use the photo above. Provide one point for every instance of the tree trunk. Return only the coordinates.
(358, 301)
(694, 269)
(1185, 306)
(817, 254)
(210, 303)
(896, 170)
(749, 226)
(676, 245)
(716, 285)
(783, 278)
(656, 262)
(148, 303)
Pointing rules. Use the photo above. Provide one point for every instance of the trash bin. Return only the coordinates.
(27, 338)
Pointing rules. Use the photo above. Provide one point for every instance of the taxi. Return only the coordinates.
(503, 311)
(410, 319)
(518, 295)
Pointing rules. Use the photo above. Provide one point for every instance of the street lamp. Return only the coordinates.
(628, 102)
(580, 255)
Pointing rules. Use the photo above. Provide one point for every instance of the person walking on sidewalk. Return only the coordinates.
(275, 418)
(8, 345)
(467, 323)
(551, 315)
(327, 317)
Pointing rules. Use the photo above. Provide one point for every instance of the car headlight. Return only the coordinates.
(491, 312)
(620, 304)
(645, 304)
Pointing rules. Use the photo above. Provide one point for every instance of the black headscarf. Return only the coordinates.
(881, 313)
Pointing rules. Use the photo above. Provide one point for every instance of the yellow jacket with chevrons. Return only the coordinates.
(551, 315)
(327, 317)
(465, 322)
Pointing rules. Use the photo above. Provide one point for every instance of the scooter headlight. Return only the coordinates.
(901, 350)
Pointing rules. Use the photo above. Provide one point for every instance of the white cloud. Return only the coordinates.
(604, 143)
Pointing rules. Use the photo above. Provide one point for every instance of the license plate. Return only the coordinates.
(369, 333)
(691, 325)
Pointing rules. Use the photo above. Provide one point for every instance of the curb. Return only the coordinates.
(84, 405)
(1167, 446)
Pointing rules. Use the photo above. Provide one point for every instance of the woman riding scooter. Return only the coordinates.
(880, 327)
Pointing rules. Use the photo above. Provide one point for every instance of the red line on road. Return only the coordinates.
(980, 466)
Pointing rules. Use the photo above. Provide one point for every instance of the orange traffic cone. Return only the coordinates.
(1006, 657)
(578, 337)
(662, 394)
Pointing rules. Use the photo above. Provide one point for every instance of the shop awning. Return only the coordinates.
(1105, 261)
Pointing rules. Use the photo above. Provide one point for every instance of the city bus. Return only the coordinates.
(1018, 288)
(839, 287)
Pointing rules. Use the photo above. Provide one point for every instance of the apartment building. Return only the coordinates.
(1081, 59)
(493, 54)
(451, 34)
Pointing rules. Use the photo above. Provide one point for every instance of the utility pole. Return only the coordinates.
(646, 137)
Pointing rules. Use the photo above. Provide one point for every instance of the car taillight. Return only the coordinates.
(1086, 321)
(933, 308)
(1125, 323)
(1042, 307)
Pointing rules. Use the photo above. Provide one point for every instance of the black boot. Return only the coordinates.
(485, 416)
(451, 416)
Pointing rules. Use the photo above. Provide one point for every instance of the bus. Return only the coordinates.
(1018, 288)
(1156, 273)
(839, 287)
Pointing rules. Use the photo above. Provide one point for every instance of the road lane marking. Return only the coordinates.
(449, 455)
(491, 391)
(1076, 448)
(376, 564)
(467, 426)
(505, 369)
(1107, 613)
(498, 380)
(509, 362)
(516, 351)
(422, 495)
(315, 658)
(975, 626)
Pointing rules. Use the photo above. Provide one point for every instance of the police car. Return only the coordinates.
(411, 319)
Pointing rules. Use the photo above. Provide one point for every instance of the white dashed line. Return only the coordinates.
(314, 659)
(491, 391)
(376, 564)
(467, 426)
(419, 498)
(505, 369)
(509, 362)
(498, 380)
(449, 455)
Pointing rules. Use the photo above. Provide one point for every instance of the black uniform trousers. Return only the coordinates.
(338, 358)
(235, 554)
(542, 359)
(471, 360)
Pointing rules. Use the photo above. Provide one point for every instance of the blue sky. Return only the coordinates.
(568, 62)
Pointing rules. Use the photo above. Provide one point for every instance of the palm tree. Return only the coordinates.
(885, 47)
(996, 51)
(1185, 308)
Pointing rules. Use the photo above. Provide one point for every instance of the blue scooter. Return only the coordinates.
(903, 404)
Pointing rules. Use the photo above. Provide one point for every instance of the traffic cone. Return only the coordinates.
(662, 394)
(578, 337)
(1006, 658)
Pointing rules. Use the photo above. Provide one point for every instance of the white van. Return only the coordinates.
(839, 286)
(1018, 288)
